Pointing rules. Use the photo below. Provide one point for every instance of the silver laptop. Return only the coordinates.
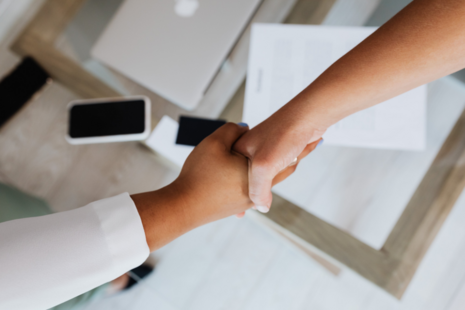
(173, 47)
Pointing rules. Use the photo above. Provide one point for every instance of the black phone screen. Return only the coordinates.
(107, 119)
(19, 86)
(193, 130)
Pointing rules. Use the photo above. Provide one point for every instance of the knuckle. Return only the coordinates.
(230, 126)
(241, 146)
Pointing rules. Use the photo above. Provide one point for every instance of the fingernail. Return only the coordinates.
(319, 143)
(243, 124)
(263, 209)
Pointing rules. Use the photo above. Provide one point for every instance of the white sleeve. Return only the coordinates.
(47, 260)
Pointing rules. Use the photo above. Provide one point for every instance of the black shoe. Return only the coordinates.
(138, 273)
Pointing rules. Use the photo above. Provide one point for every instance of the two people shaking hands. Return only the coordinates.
(213, 184)
(230, 171)
(423, 42)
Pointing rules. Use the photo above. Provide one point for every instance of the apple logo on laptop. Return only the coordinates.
(186, 8)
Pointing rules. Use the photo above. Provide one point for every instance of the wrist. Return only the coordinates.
(312, 115)
(300, 122)
(194, 207)
(187, 208)
(165, 215)
(322, 104)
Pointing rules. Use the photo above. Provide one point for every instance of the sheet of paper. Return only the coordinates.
(284, 59)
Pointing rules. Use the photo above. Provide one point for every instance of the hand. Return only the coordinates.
(214, 178)
(217, 176)
(213, 184)
(118, 284)
(271, 147)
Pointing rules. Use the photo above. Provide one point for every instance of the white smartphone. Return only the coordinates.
(108, 120)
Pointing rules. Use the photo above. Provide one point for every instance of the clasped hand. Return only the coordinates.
(213, 184)
(217, 176)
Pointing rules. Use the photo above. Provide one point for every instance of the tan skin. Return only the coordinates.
(423, 42)
(213, 184)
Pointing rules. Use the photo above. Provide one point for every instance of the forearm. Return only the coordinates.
(423, 42)
(165, 215)
(212, 185)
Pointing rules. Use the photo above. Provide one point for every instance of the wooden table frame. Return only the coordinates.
(392, 267)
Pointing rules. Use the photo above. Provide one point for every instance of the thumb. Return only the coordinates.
(229, 133)
(260, 182)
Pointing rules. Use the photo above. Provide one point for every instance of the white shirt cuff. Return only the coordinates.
(123, 231)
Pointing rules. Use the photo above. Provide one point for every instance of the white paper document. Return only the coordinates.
(284, 59)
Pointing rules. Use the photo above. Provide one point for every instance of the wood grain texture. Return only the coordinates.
(326, 263)
(38, 39)
(428, 209)
(309, 12)
(431, 187)
(50, 20)
(374, 265)
(392, 268)
(22, 154)
(35, 157)
(63, 69)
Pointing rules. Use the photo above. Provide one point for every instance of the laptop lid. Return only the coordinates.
(173, 47)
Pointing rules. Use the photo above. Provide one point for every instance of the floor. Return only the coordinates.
(237, 264)
(232, 264)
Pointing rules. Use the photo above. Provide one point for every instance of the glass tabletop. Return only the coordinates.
(362, 191)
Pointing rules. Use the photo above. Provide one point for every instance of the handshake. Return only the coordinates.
(216, 175)
(213, 184)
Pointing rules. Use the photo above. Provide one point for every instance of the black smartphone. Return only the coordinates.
(19, 86)
(192, 130)
(109, 120)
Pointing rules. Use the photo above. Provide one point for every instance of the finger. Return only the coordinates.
(262, 178)
(309, 148)
(229, 133)
(240, 215)
(260, 181)
(286, 172)
(283, 174)
(241, 145)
